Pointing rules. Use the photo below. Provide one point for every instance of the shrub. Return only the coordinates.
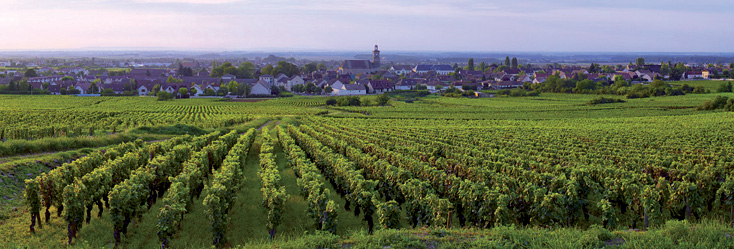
(163, 96)
(423, 93)
(725, 88)
(675, 230)
(603, 100)
(331, 101)
(699, 89)
(716, 103)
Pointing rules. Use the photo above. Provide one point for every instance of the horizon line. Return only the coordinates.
(320, 50)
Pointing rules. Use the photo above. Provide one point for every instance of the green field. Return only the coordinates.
(519, 172)
(711, 85)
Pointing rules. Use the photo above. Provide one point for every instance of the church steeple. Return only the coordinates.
(376, 57)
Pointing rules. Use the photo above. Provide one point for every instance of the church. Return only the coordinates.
(362, 66)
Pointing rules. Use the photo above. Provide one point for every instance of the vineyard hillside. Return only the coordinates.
(547, 171)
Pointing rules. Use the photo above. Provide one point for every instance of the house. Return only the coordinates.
(199, 90)
(262, 87)
(46, 79)
(407, 84)
(380, 86)
(269, 79)
(401, 69)
(213, 86)
(524, 78)
(45, 70)
(390, 75)
(54, 89)
(83, 87)
(319, 83)
(335, 84)
(295, 80)
(350, 89)
(506, 85)
(117, 88)
(281, 82)
(439, 69)
(466, 84)
(511, 71)
(280, 77)
(145, 89)
(436, 85)
(74, 71)
(690, 75)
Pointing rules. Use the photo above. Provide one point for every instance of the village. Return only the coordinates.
(349, 77)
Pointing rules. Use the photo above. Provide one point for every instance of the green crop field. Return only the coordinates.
(710, 85)
(549, 171)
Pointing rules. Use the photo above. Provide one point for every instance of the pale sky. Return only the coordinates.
(396, 25)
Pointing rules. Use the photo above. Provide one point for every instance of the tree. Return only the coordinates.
(183, 92)
(246, 89)
(30, 73)
(514, 62)
(664, 69)
(93, 88)
(595, 68)
(310, 88)
(328, 90)
(309, 68)
(171, 79)
(156, 89)
(246, 70)
(209, 92)
(194, 91)
(658, 83)
(72, 91)
(274, 90)
(470, 65)
(725, 88)
(619, 81)
(233, 87)
(507, 61)
(108, 92)
(267, 69)
(640, 62)
(321, 67)
(482, 66)
(184, 71)
(383, 99)
(677, 71)
(163, 96)
(584, 85)
(286, 68)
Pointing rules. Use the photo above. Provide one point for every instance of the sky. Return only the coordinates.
(357, 25)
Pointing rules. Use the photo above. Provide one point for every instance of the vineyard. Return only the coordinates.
(39, 117)
(293, 173)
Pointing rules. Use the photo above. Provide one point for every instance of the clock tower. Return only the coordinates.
(376, 58)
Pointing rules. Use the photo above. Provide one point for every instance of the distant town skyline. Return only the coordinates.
(354, 25)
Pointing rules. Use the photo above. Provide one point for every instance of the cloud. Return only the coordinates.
(188, 1)
(466, 25)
